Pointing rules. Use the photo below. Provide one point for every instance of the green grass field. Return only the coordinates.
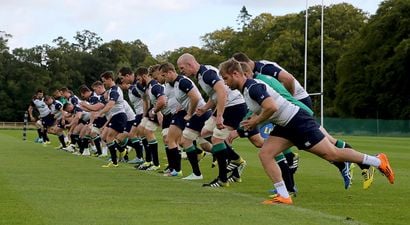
(41, 185)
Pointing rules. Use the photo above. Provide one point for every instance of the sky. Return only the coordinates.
(162, 25)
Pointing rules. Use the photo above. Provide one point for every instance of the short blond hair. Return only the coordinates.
(229, 66)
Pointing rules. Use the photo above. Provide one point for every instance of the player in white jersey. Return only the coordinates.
(156, 111)
(265, 67)
(46, 118)
(293, 127)
(56, 108)
(229, 108)
(136, 96)
(186, 125)
(118, 118)
(32, 107)
(80, 119)
(173, 157)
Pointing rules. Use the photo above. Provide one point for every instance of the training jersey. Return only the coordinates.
(74, 100)
(256, 91)
(55, 109)
(85, 116)
(135, 93)
(95, 98)
(273, 69)
(42, 107)
(115, 94)
(183, 85)
(207, 77)
(172, 102)
(155, 90)
(278, 87)
(129, 112)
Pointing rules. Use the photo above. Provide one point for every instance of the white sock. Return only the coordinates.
(281, 189)
(371, 160)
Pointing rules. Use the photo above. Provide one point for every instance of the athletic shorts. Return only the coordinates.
(48, 120)
(307, 101)
(178, 119)
(118, 122)
(99, 121)
(302, 130)
(166, 120)
(233, 115)
(197, 122)
(137, 120)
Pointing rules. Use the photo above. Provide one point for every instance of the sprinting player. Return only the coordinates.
(77, 127)
(44, 114)
(299, 93)
(56, 108)
(118, 118)
(293, 127)
(70, 96)
(157, 103)
(136, 96)
(185, 124)
(168, 131)
(229, 109)
(97, 123)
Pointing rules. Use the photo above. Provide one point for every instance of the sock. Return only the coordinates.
(230, 153)
(44, 135)
(113, 152)
(137, 145)
(40, 134)
(61, 139)
(81, 144)
(144, 143)
(153, 146)
(281, 189)
(286, 175)
(170, 158)
(220, 152)
(97, 143)
(74, 138)
(371, 160)
(177, 158)
(289, 156)
(193, 160)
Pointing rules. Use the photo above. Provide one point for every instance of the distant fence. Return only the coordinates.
(16, 125)
(372, 127)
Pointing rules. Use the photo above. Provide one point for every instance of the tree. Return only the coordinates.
(374, 70)
(243, 18)
(87, 41)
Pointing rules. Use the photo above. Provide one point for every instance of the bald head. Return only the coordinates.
(188, 65)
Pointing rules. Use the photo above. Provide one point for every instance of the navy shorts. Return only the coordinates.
(249, 133)
(129, 125)
(233, 115)
(196, 123)
(138, 119)
(48, 120)
(166, 120)
(83, 122)
(307, 101)
(118, 122)
(302, 130)
(178, 119)
(99, 121)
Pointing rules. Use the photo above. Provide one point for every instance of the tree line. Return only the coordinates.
(366, 58)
